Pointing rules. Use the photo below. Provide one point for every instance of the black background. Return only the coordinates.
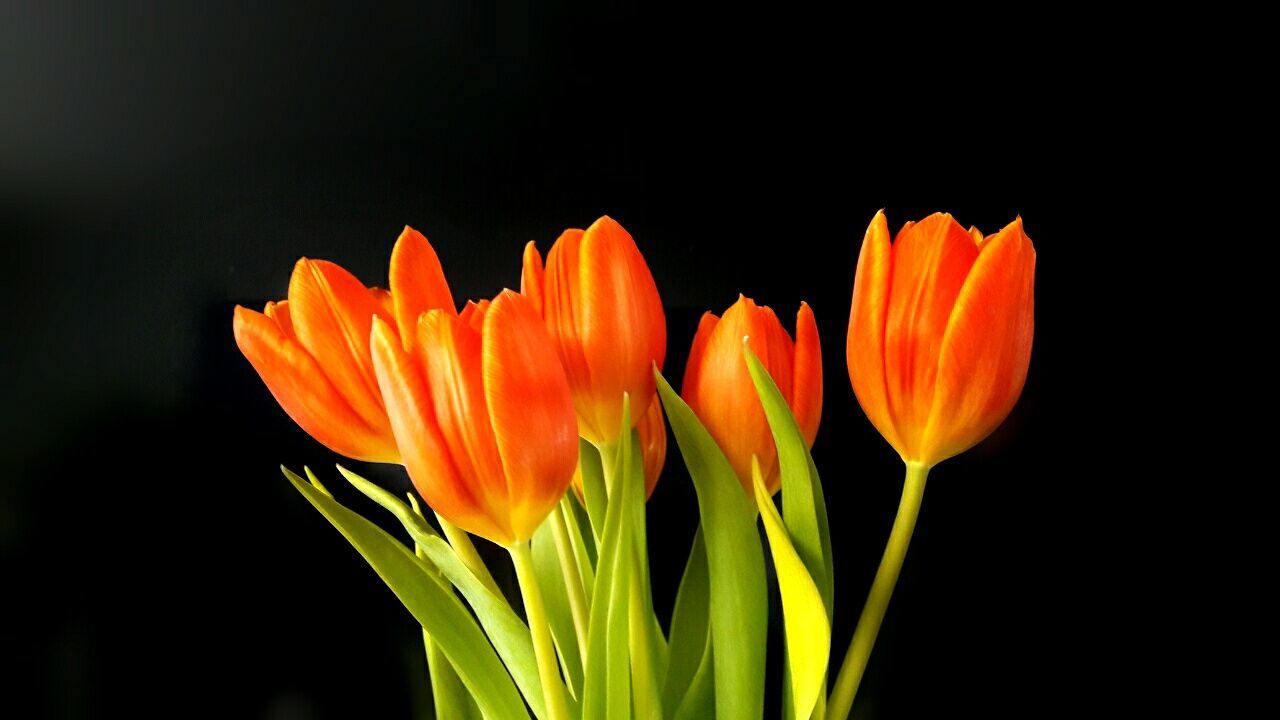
(159, 167)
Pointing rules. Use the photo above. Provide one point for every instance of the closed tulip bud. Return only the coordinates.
(602, 310)
(940, 333)
(312, 350)
(481, 410)
(718, 386)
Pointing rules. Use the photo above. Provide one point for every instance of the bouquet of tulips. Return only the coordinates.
(498, 410)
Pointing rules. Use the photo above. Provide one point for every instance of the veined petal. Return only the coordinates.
(621, 323)
(561, 308)
(385, 303)
(931, 260)
(426, 456)
(279, 312)
(693, 367)
(532, 276)
(332, 314)
(451, 353)
(865, 346)
(652, 430)
(417, 283)
(806, 375)
(473, 314)
(298, 384)
(530, 409)
(723, 395)
(986, 349)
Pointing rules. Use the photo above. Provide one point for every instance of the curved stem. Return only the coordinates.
(544, 649)
(462, 545)
(864, 637)
(572, 579)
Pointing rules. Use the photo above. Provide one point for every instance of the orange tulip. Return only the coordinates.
(482, 413)
(718, 386)
(312, 350)
(940, 332)
(653, 444)
(604, 315)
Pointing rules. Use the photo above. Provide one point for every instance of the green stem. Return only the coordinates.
(543, 648)
(466, 550)
(572, 580)
(864, 636)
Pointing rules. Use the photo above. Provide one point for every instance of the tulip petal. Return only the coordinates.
(452, 355)
(561, 300)
(865, 345)
(426, 456)
(622, 325)
(931, 260)
(473, 314)
(298, 384)
(722, 393)
(417, 283)
(279, 312)
(332, 313)
(693, 367)
(530, 410)
(987, 346)
(806, 375)
(653, 445)
(532, 276)
(384, 301)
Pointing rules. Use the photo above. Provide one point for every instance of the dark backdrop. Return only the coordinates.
(159, 167)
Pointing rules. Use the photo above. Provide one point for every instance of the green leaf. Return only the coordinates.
(439, 611)
(803, 505)
(448, 694)
(607, 682)
(700, 701)
(735, 563)
(584, 546)
(546, 565)
(689, 625)
(808, 633)
(508, 633)
(594, 495)
(648, 646)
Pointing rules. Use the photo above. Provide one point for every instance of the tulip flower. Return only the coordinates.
(603, 313)
(940, 333)
(482, 413)
(312, 350)
(939, 343)
(718, 386)
(653, 446)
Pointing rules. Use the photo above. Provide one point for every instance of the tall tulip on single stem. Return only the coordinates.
(939, 343)
(482, 414)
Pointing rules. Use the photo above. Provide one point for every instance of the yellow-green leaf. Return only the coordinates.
(437, 609)
(808, 634)
(739, 612)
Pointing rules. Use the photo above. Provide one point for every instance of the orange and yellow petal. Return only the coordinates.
(806, 375)
(530, 409)
(296, 381)
(417, 283)
(532, 276)
(986, 349)
(451, 354)
(332, 313)
(865, 347)
(693, 367)
(652, 431)
(931, 260)
(425, 454)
